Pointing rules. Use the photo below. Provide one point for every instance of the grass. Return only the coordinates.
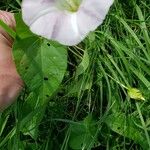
(92, 108)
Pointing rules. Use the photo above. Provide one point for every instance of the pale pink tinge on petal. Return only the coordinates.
(68, 28)
(46, 27)
(91, 14)
(34, 9)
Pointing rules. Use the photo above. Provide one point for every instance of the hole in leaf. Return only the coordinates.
(26, 68)
(119, 128)
(46, 78)
(47, 96)
(48, 44)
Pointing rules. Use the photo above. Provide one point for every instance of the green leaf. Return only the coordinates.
(83, 134)
(42, 67)
(84, 64)
(125, 126)
(22, 30)
(31, 116)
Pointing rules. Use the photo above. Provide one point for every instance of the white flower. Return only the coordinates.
(66, 21)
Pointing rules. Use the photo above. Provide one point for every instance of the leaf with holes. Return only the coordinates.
(42, 67)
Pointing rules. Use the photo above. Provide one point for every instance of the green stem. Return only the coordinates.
(8, 29)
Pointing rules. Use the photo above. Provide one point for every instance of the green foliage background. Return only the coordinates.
(77, 98)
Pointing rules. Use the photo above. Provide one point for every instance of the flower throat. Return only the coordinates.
(69, 5)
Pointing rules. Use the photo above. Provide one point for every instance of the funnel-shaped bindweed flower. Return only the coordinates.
(66, 21)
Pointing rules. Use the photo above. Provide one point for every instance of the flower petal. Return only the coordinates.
(45, 19)
(45, 25)
(91, 14)
(67, 31)
(49, 22)
(32, 10)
